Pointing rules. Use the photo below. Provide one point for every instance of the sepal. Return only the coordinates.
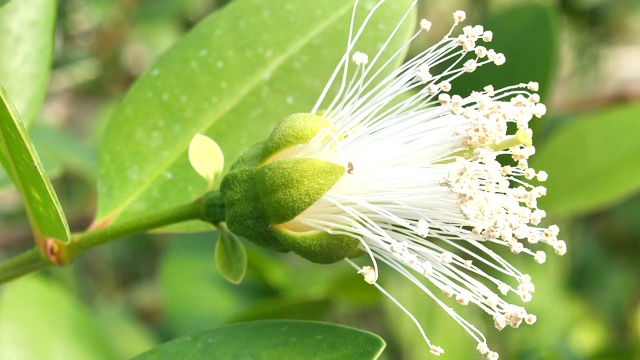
(317, 246)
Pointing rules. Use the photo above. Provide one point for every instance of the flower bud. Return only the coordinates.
(267, 188)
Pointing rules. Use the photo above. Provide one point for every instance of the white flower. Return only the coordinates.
(424, 191)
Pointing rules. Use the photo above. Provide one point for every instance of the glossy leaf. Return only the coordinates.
(526, 34)
(20, 160)
(26, 53)
(232, 78)
(59, 151)
(231, 257)
(592, 161)
(283, 339)
(38, 320)
(52, 168)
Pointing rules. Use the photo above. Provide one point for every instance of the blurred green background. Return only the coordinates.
(126, 297)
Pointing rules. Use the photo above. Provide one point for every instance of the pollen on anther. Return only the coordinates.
(423, 73)
(487, 36)
(540, 110)
(459, 16)
(560, 247)
(369, 274)
(482, 348)
(499, 59)
(462, 299)
(360, 58)
(540, 257)
(436, 350)
(446, 258)
(425, 24)
(542, 176)
(470, 65)
(444, 99)
(489, 90)
(433, 89)
(530, 319)
(534, 98)
(529, 174)
(423, 228)
(481, 51)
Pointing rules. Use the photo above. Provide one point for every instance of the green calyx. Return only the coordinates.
(318, 246)
(274, 193)
(267, 188)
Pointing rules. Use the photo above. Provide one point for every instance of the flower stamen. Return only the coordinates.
(430, 198)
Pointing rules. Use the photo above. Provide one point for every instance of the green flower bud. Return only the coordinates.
(266, 188)
(293, 130)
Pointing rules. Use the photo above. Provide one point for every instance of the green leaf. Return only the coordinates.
(526, 34)
(40, 320)
(52, 167)
(127, 334)
(59, 146)
(20, 160)
(231, 257)
(272, 340)
(592, 161)
(233, 78)
(26, 53)
(195, 296)
(59, 151)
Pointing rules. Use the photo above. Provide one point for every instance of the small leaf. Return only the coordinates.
(231, 257)
(281, 339)
(592, 161)
(206, 158)
(20, 160)
(26, 52)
